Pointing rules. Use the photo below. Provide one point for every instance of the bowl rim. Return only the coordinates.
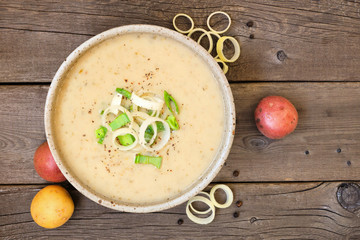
(229, 129)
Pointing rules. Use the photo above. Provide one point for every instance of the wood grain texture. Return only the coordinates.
(269, 211)
(328, 121)
(292, 40)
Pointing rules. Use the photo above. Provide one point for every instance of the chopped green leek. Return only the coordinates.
(171, 120)
(168, 99)
(100, 134)
(102, 112)
(120, 121)
(126, 139)
(156, 161)
(124, 92)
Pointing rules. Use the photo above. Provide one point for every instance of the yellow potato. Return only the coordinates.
(52, 206)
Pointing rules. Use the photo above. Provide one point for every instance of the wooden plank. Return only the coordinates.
(293, 40)
(28, 56)
(269, 211)
(328, 123)
(21, 131)
(328, 114)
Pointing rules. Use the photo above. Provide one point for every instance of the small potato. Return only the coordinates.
(45, 164)
(52, 206)
(276, 117)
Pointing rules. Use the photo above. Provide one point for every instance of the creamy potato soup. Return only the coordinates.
(138, 63)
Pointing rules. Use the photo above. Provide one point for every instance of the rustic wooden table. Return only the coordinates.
(307, 51)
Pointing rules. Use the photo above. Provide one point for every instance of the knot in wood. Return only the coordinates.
(256, 143)
(250, 24)
(281, 56)
(180, 221)
(348, 196)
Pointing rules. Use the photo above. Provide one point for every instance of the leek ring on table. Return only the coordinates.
(220, 46)
(211, 33)
(188, 17)
(228, 192)
(218, 12)
(211, 43)
(198, 211)
(224, 67)
(196, 219)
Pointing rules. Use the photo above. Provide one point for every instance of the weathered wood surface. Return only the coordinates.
(269, 211)
(290, 40)
(328, 114)
(314, 42)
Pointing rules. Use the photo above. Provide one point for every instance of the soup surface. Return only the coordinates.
(148, 63)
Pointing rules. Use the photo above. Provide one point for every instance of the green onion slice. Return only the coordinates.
(119, 121)
(171, 120)
(126, 139)
(168, 99)
(100, 134)
(143, 159)
(124, 92)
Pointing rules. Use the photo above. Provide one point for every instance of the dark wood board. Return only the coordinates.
(307, 51)
(269, 211)
(281, 41)
(328, 114)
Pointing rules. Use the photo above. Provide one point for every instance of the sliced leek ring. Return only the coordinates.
(211, 33)
(228, 192)
(143, 116)
(155, 105)
(214, 13)
(196, 219)
(138, 148)
(224, 67)
(121, 132)
(188, 17)
(114, 110)
(198, 211)
(211, 43)
(155, 113)
(164, 138)
(220, 46)
(140, 115)
(116, 101)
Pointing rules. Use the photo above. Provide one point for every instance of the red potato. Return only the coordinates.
(276, 117)
(45, 164)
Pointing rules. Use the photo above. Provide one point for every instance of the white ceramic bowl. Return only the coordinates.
(217, 162)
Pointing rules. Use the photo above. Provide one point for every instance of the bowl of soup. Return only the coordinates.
(139, 58)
